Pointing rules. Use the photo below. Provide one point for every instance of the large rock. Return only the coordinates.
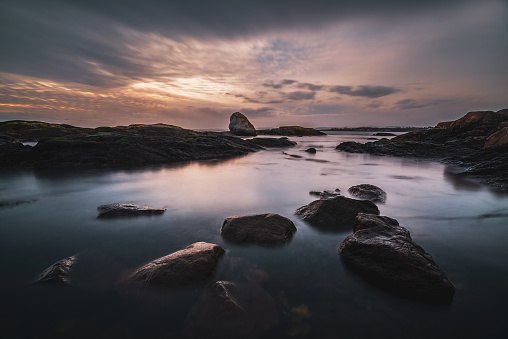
(369, 192)
(127, 210)
(231, 310)
(335, 214)
(260, 229)
(500, 138)
(383, 252)
(194, 264)
(240, 125)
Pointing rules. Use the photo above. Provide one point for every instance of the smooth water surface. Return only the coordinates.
(463, 225)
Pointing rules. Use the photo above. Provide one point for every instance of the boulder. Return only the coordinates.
(231, 310)
(259, 229)
(127, 210)
(369, 192)
(335, 214)
(383, 252)
(272, 142)
(194, 264)
(310, 150)
(240, 125)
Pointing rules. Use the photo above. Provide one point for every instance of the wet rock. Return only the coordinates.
(292, 131)
(272, 142)
(240, 125)
(260, 229)
(15, 203)
(335, 214)
(326, 194)
(88, 269)
(310, 150)
(231, 310)
(383, 252)
(384, 134)
(127, 210)
(58, 273)
(194, 264)
(369, 192)
(499, 138)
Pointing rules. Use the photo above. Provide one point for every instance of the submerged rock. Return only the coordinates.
(335, 214)
(384, 134)
(272, 142)
(240, 125)
(127, 210)
(292, 131)
(260, 229)
(311, 150)
(326, 194)
(383, 252)
(369, 192)
(191, 265)
(231, 310)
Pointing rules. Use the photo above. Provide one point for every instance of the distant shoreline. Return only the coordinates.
(372, 129)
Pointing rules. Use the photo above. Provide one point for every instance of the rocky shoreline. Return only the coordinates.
(476, 145)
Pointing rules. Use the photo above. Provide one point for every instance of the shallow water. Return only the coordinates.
(463, 225)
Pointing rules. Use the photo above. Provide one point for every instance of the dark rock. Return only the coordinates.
(335, 214)
(260, 229)
(326, 194)
(310, 150)
(384, 253)
(384, 134)
(15, 203)
(58, 273)
(194, 264)
(465, 143)
(231, 310)
(292, 131)
(272, 142)
(240, 125)
(127, 210)
(369, 192)
(88, 269)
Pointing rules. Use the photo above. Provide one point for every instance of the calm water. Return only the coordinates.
(464, 226)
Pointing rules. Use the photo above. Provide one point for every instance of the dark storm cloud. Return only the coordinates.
(365, 91)
(85, 41)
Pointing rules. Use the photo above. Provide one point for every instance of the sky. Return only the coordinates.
(292, 62)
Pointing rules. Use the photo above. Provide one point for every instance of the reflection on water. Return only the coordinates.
(464, 228)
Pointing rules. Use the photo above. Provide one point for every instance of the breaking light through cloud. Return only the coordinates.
(320, 63)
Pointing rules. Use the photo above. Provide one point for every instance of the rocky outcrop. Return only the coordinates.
(240, 125)
(273, 142)
(369, 192)
(194, 264)
(383, 252)
(292, 131)
(259, 229)
(335, 214)
(231, 310)
(127, 210)
(475, 143)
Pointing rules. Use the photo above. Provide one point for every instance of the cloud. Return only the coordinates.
(365, 91)
(280, 84)
(259, 112)
(300, 95)
(406, 104)
(311, 87)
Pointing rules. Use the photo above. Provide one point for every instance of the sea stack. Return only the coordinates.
(240, 125)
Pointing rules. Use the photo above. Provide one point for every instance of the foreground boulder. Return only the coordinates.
(231, 310)
(259, 229)
(335, 214)
(369, 192)
(240, 125)
(191, 265)
(59, 272)
(384, 253)
(127, 210)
